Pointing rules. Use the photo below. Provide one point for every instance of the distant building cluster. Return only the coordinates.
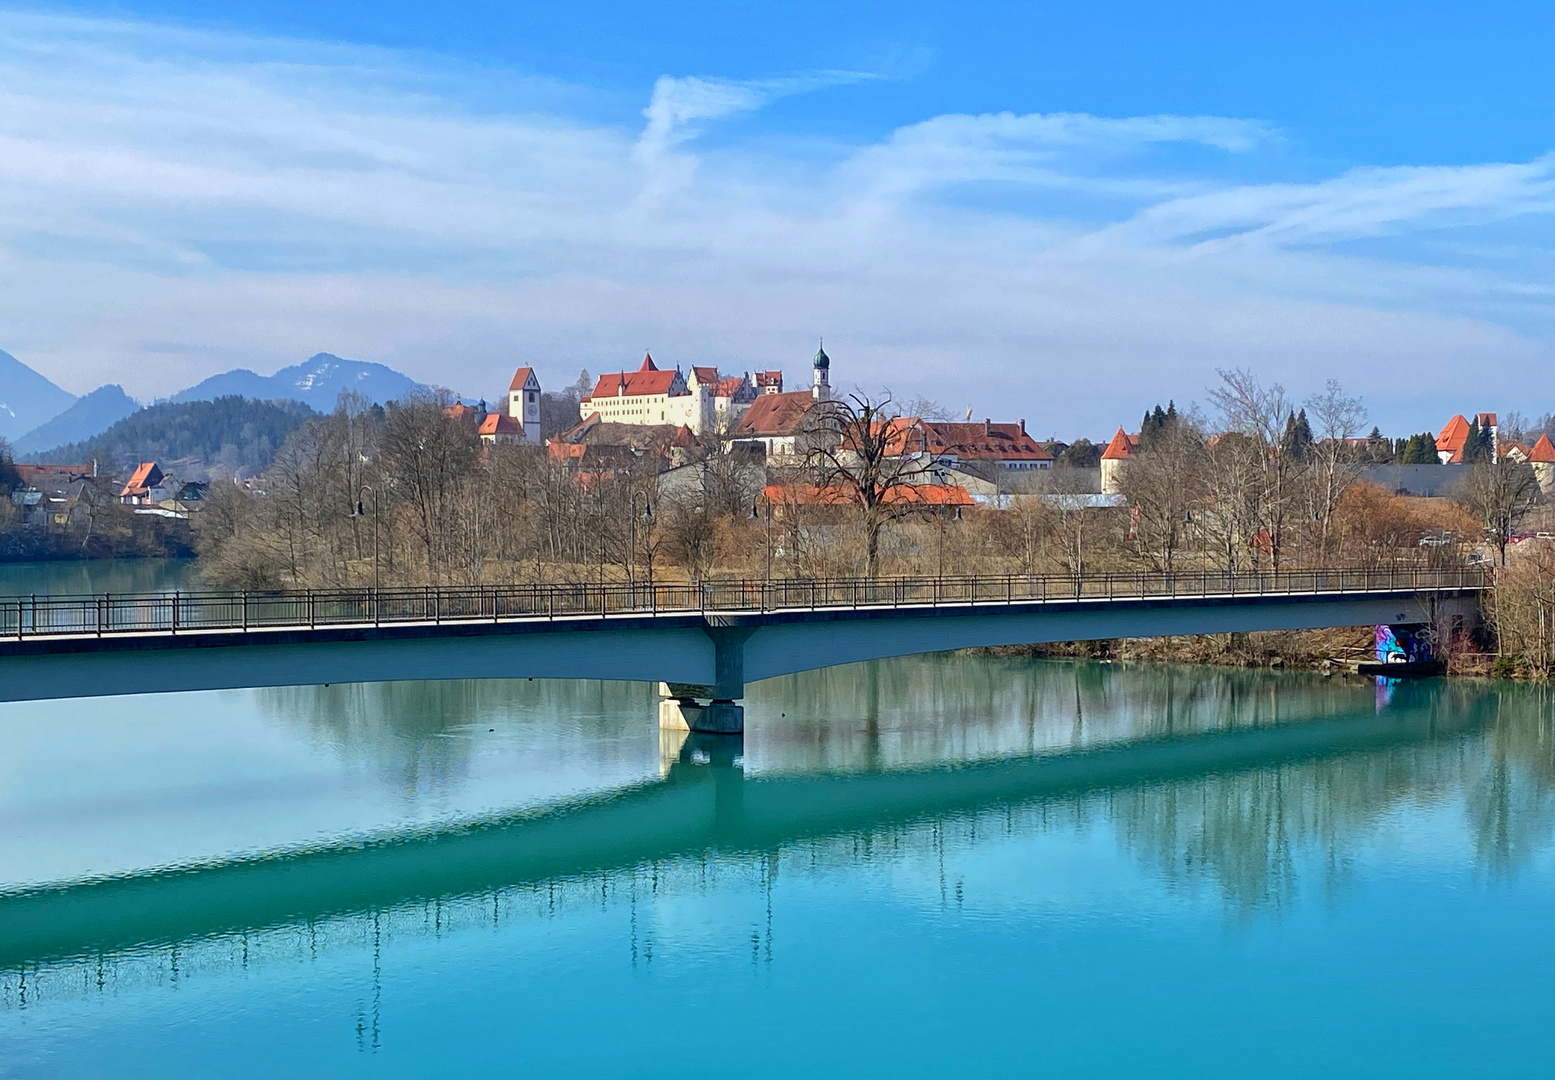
(677, 417)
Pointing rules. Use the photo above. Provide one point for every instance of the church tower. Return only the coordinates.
(821, 390)
(524, 402)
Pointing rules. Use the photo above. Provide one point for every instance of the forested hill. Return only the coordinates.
(225, 436)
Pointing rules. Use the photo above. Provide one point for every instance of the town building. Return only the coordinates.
(780, 423)
(988, 445)
(702, 399)
(1454, 437)
(138, 490)
(645, 396)
(1122, 447)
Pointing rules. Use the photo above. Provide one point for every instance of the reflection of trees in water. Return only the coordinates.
(1510, 802)
(1248, 833)
(952, 707)
(1256, 837)
(420, 736)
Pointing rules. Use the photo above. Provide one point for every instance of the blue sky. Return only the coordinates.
(1062, 212)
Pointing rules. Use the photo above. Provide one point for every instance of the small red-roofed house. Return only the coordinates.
(500, 428)
(137, 489)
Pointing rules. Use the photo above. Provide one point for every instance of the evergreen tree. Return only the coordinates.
(1297, 442)
(1157, 422)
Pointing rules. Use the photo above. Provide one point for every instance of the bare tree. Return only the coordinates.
(1162, 484)
(1335, 462)
(429, 454)
(1261, 414)
(863, 452)
(1499, 493)
(1069, 516)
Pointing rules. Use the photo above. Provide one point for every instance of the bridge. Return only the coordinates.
(702, 641)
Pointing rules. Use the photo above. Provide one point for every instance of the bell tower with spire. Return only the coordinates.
(821, 389)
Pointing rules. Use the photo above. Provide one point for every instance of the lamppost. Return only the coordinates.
(940, 571)
(358, 513)
(631, 553)
(755, 513)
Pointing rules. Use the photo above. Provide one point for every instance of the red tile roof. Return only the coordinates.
(462, 413)
(33, 475)
(1452, 439)
(1122, 446)
(645, 380)
(705, 374)
(898, 494)
(730, 386)
(1543, 451)
(520, 377)
(775, 415)
(145, 476)
(501, 424)
(683, 437)
(983, 442)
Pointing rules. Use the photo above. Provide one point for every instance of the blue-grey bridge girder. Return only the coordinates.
(723, 649)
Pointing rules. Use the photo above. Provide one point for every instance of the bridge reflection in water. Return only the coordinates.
(1195, 789)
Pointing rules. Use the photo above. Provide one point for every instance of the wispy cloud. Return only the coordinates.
(252, 201)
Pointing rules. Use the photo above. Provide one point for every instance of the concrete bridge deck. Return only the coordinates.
(710, 638)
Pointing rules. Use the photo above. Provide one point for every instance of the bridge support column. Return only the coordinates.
(722, 715)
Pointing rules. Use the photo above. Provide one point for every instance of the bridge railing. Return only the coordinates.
(184, 612)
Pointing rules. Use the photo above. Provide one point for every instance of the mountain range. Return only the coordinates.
(27, 399)
(37, 416)
(316, 382)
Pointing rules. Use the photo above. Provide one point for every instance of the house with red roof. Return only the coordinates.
(780, 423)
(138, 488)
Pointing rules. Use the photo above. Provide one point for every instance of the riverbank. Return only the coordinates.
(1293, 649)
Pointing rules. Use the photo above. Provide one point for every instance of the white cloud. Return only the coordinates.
(173, 203)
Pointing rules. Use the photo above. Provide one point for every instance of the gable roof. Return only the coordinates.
(705, 375)
(521, 379)
(982, 442)
(1543, 451)
(500, 424)
(774, 415)
(896, 494)
(644, 381)
(1452, 438)
(1122, 446)
(146, 475)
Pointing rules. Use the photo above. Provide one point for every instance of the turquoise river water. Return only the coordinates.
(937, 866)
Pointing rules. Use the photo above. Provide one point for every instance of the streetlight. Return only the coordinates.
(631, 553)
(755, 508)
(358, 513)
(940, 572)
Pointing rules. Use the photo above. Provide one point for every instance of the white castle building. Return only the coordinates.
(703, 400)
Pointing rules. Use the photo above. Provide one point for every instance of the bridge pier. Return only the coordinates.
(723, 714)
